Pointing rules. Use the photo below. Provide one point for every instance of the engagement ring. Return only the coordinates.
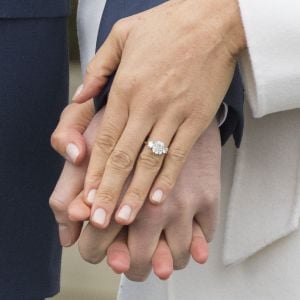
(157, 147)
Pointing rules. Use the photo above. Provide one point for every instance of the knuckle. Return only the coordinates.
(119, 27)
(92, 70)
(121, 161)
(121, 88)
(150, 161)
(55, 139)
(182, 205)
(209, 199)
(106, 195)
(67, 110)
(167, 180)
(57, 204)
(135, 195)
(177, 154)
(126, 83)
(94, 178)
(105, 142)
(133, 81)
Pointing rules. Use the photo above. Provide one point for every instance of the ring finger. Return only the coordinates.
(147, 168)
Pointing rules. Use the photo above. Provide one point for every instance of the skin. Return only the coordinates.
(167, 235)
(171, 96)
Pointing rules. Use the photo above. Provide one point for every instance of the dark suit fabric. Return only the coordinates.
(33, 92)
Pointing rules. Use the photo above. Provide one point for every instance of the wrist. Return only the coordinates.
(221, 19)
(232, 30)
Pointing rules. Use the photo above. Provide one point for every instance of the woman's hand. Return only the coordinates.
(173, 64)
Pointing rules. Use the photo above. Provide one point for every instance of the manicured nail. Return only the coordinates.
(157, 196)
(99, 216)
(77, 93)
(72, 151)
(64, 235)
(91, 196)
(125, 213)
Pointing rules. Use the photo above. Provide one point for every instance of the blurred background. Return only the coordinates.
(80, 280)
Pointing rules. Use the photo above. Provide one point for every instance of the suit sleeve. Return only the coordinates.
(271, 64)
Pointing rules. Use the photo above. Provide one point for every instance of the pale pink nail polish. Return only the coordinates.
(99, 216)
(91, 196)
(125, 213)
(72, 152)
(157, 196)
(78, 92)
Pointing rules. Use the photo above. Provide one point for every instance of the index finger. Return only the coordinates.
(70, 183)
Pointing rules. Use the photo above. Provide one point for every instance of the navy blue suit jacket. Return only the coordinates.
(117, 9)
(34, 8)
(33, 92)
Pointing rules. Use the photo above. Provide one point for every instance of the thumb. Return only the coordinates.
(67, 139)
(104, 63)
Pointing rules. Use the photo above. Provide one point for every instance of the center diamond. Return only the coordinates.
(157, 147)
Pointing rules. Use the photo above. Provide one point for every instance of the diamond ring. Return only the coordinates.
(157, 147)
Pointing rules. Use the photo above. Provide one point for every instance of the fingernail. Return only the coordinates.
(125, 213)
(72, 151)
(157, 196)
(99, 216)
(78, 91)
(91, 196)
(64, 235)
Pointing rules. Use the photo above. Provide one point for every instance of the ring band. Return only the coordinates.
(157, 147)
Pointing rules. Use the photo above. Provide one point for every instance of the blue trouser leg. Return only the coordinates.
(33, 92)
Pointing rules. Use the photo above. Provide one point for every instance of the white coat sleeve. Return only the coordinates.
(271, 64)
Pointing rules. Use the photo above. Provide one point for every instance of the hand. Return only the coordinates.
(174, 65)
(195, 197)
(69, 185)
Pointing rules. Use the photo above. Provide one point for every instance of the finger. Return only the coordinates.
(162, 261)
(93, 242)
(207, 218)
(179, 237)
(147, 168)
(109, 131)
(104, 63)
(118, 257)
(143, 238)
(67, 188)
(174, 161)
(117, 169)
(199, 246)
(67, 139)
(78, 210)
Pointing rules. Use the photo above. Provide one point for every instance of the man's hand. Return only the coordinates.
(173, 64)
(184, 223)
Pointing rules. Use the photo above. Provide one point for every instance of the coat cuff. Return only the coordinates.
(270, 66)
